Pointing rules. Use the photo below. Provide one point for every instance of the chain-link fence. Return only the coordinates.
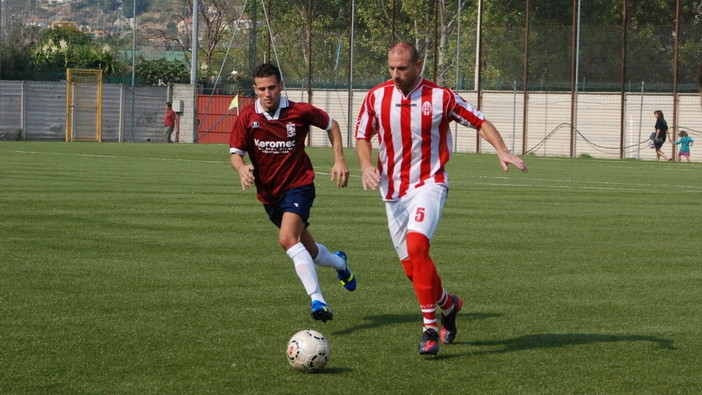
(557, 81)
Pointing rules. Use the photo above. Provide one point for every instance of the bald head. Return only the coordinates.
(405, 47)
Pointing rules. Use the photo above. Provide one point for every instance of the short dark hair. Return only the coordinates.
(169, 104)
(266, 70)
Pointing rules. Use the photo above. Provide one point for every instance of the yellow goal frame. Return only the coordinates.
(83, 105)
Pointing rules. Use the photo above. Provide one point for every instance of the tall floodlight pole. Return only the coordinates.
(458, 67)
(2, 5)
(525, 81)
(478, 33)
(349, 111)
(193, 66)
(622, 79)
(309, 54)
(676, 54)
(478, 65)
(194, 42)
(134, 26)
(458, 43)
(574, 78)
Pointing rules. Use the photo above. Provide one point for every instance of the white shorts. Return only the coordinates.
(418, 211)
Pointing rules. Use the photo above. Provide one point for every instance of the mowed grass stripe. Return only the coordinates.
(144, 268)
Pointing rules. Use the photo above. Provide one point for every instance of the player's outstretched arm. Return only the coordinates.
(245, 171)
(488, 131)
(340, 171)
(370, 176)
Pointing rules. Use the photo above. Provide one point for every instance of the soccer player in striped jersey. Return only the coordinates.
(410, 116)
(273, 132)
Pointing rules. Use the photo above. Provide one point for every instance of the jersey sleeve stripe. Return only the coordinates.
(465, 113)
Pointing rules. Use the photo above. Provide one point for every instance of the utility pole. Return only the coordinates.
(193, 66)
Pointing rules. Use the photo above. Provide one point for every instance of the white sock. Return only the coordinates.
(304, 266)
(326, 258)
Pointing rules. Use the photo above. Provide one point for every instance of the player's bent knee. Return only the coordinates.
(417, 245)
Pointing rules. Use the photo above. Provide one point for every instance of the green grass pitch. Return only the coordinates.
(144, 268)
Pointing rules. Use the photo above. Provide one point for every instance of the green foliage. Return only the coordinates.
(152, 72)
(122, 272)
(649, 42)
(103, 58)
(13, 60)
(65, 47)
(51, 56)
(431, 25)
(67, 34)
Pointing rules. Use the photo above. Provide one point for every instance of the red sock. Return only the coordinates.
(426, 281)
(446, 301)
(409, 268)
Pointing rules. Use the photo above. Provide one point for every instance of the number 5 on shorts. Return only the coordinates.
(419, 215)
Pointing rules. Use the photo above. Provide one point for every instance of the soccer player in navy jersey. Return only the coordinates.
(411, 116)
(273, 132)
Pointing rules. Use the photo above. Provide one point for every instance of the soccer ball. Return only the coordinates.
(308, 351)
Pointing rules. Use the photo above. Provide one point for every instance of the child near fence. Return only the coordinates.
(685, 143)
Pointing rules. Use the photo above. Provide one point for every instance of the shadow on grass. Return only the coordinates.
(335, 370)
(549, 340)
(375, 321)
(552, 340)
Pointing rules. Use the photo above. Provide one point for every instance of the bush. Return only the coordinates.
(152, 72)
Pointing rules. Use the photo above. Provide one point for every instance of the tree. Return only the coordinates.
(14, 60)
(15, 51)
(66, 47)
(217, 20)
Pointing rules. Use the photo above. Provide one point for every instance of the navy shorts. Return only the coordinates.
(297, 200)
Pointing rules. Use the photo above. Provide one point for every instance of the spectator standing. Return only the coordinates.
(170, 122)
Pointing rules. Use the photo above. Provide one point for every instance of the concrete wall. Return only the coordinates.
(37, 111)
(185, 93)
(598, 120)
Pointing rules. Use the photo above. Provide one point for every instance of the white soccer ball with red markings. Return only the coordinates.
(308, 351)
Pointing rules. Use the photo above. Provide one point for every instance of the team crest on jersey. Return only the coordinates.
(426, 108)
(291, 129)
(255, 124)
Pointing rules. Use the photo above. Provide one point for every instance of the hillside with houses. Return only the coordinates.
(99, 18)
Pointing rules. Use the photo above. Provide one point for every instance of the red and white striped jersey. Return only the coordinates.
(414, 141)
